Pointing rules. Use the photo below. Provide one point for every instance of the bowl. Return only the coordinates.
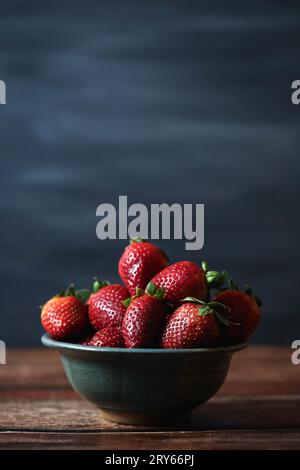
(144, 386)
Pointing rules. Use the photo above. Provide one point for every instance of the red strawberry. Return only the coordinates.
(244, 313)
(108, 337)
(143, 320)
(106, 305)
(64, 317)
(181, 280)
(191, 326)
(139, 263)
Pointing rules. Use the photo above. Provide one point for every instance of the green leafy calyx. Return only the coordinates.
(81, 294)
(222, 282)
(138, 293)
(215, 279)
(213, 308)
(97, 285)
(154, 291)
(136, 240)
(127, 302)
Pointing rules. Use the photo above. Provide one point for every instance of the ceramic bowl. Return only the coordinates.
(144, 386)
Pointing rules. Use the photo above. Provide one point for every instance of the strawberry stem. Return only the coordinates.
(138, 293)
(232, 285)
(127, 302)
(204, 266)
(83, 295)
(153, 291)
(97, 285)
(70, 290)
(151, 288)
(215, 279)
(136, 240)
(224, 320)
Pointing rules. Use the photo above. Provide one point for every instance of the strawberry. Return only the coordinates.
(180, 280)
(140, 261)
(244, 313)
(64, 317)
(144, 317)
(243, 309)
(191, 326)
(108, 337)
(106, 304)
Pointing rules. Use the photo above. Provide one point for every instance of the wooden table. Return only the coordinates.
(257, 408)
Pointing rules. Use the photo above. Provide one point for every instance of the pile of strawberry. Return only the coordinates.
(173, 306)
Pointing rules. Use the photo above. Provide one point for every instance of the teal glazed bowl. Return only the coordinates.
(144, 386)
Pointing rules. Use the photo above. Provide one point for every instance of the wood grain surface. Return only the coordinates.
(257, 408)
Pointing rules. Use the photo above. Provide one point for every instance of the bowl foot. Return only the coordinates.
(144, 419)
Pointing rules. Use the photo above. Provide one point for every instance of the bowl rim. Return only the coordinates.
(52, 343)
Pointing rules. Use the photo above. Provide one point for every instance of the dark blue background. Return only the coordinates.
(162, 101)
